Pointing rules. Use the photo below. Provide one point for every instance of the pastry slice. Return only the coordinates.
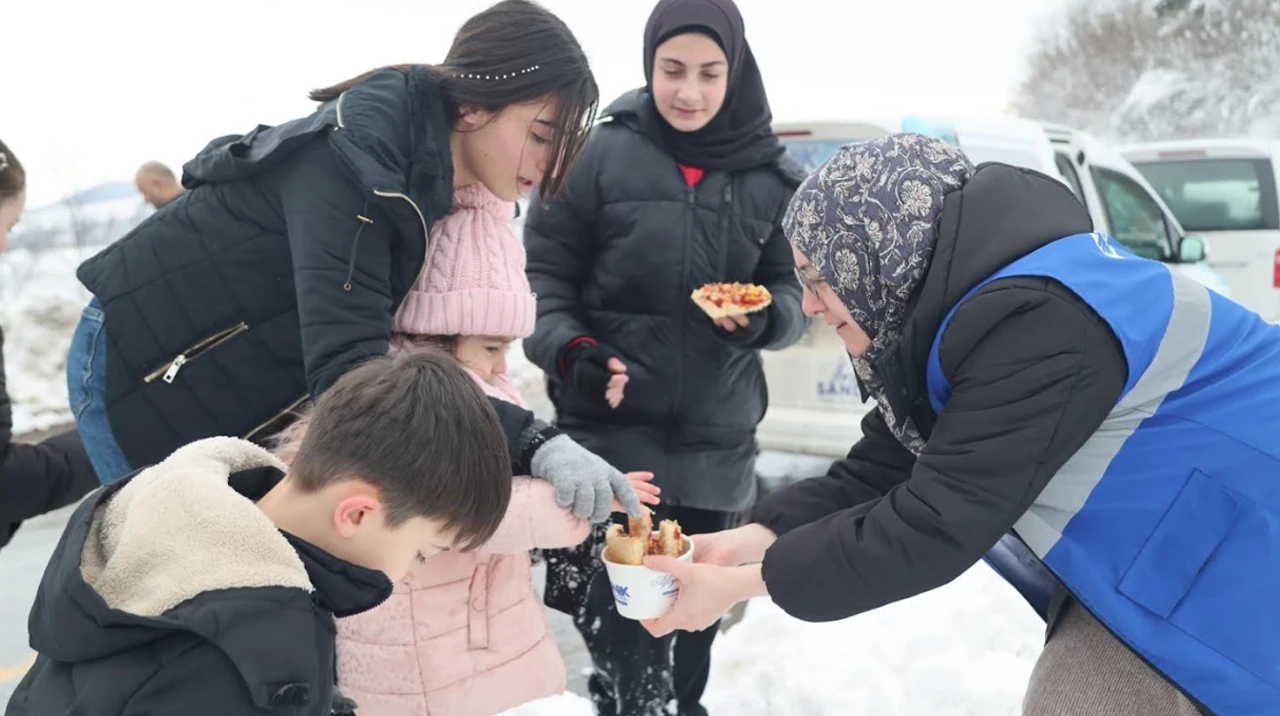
(622, 549)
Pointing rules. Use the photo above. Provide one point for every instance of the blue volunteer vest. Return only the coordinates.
(1166, 523)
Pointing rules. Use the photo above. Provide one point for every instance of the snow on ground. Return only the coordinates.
(965, 649)
(40, 305)
(562, 705)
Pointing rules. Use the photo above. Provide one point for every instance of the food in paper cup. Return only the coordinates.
(640, 592)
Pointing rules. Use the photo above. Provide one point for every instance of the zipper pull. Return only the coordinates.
(174, 367)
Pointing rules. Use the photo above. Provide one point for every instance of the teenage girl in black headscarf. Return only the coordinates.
(683, 184)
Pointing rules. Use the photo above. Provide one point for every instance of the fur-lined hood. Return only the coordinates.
(182, 547)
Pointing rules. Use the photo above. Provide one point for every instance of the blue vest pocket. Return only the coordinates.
(1202, 572)
(1178, 549)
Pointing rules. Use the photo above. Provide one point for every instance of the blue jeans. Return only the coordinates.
(87, 392)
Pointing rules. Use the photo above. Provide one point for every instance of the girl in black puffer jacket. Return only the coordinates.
(281, 267)
(684, 184)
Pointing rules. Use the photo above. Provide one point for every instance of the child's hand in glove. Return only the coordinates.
(583, 480)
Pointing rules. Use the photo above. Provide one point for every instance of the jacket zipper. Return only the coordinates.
(727, 210)
(691, 195)
(271, 420)
(170, 371)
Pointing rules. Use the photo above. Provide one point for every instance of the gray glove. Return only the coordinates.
(583, 479)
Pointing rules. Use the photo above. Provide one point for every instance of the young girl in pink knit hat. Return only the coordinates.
(465, 634)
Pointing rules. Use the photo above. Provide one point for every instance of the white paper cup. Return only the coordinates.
(643, 593)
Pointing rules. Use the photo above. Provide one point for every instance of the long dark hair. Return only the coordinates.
(13, 179)
(500, 42)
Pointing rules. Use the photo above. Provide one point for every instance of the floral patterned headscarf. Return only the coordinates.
(867, 221)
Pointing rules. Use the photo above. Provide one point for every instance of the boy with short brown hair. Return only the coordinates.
(207, 584)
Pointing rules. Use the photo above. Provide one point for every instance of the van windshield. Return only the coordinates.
(1217, 194)
(811, 153)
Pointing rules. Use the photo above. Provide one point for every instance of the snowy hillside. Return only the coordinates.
(93, 217)
(41, 300)
(40, 304)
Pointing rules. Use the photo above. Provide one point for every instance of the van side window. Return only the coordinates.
(1069, 175)
(1217, 194)
(1135, 218)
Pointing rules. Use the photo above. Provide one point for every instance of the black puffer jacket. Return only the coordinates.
(617, 262)
(278, 271)
(35, 479)
(194, 604)
(1034, 371)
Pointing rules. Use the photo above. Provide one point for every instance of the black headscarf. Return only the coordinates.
(740, 136)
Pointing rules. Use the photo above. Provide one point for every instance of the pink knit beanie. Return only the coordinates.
(474, 282)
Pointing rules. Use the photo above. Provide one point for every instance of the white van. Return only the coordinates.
(1227, 191)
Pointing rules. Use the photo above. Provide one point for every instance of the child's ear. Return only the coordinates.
(355, 511)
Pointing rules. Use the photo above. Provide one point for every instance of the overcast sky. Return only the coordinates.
(89, 89)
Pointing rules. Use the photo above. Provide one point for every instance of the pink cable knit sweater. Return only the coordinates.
(465, 634)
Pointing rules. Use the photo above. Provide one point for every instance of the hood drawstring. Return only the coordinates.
(355, 244)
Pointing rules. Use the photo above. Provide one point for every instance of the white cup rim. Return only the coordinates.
(685, 556)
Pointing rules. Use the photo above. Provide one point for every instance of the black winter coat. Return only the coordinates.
(35, 479)
(1034, 372)
(252, 633)
(618, 260)
(278, 271)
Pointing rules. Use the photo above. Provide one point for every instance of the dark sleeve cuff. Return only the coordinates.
(756, 335)
(562, 362)
(516, 423)
(532, 438)
(771, 512)
(797, 572)
(809, 575)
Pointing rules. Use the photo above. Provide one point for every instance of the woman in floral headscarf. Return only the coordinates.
(1104, 422)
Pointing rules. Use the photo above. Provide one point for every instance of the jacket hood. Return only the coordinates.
(1000, 215)
(634, 111)
(391, 131)
(182, 547)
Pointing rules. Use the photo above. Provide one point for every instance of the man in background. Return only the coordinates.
(157, 184)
